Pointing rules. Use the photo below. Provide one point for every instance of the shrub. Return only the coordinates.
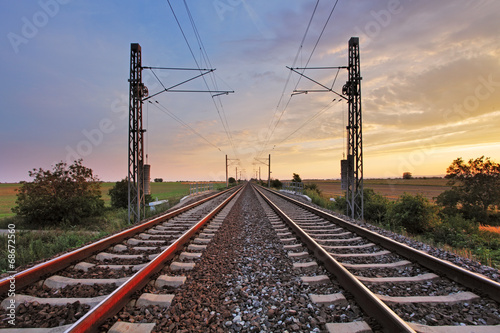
(318, 199)
(475, 186)
(376, 206)
(448, 201)
(276, 183)
(414, 213)
(313, 187)
(119, 195)
(65, 194)
(456, 231)
(340, 204)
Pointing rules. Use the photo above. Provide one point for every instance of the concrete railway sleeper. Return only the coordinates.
(425, 294)
(253, 263)
(106, 278)
(244, 280)
(159, 292)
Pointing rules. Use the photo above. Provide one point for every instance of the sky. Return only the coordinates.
(430, 85)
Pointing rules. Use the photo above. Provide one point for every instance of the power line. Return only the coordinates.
(270, 133)
(319, 113)
(320, 35)
(156, 76)
(308, 60)
(183, 34)
(223, 119)
(169, 113)
(214, 81)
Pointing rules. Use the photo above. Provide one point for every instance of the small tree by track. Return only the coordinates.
(276, 183)
(65, 194)
(296, 178)
(475, 188)
(119, 195)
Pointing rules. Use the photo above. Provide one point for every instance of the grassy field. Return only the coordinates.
(39, 244)
(162, 191)
(390, 188)
(7, 199)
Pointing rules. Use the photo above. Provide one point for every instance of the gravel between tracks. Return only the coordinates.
(468, 264)
(244, 282)
(45, 316)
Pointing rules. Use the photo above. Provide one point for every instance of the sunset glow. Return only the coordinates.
(430, 88)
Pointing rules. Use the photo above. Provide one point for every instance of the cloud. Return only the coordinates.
(425, 69)
(440, 95)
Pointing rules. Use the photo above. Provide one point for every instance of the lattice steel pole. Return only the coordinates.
(137, 92)
(352, 89)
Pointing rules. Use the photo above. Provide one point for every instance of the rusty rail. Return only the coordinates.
(34, 273)
(91, 321)
(467, 278)
(367, 300)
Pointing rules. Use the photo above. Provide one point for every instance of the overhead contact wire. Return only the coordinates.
(308, 60)
(180, 121)
(271, 132)
(222, 117)
(315, 115)
(198, 66)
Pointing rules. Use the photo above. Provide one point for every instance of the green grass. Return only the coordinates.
(7, 199)
(37, 245)
(162, 191)
(390, 188)
(105, 187)
(165, 191)
(31, 246)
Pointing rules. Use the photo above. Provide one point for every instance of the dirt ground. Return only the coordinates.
(390, 188)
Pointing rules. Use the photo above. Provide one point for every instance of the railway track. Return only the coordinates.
(252, 260)
(79, 290)
(405, 289)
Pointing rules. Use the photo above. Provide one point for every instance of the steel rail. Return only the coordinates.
(115, 301)
(458, 274)
(30, 275)
(367, 300)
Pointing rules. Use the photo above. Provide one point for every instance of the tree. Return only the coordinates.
(65, 194)
(276, 183)
(449, 200)
(119, 195)
(296, 178)
(158, 180)
(475, 187)
(231, 180)
(376, 206)
(407, 175)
